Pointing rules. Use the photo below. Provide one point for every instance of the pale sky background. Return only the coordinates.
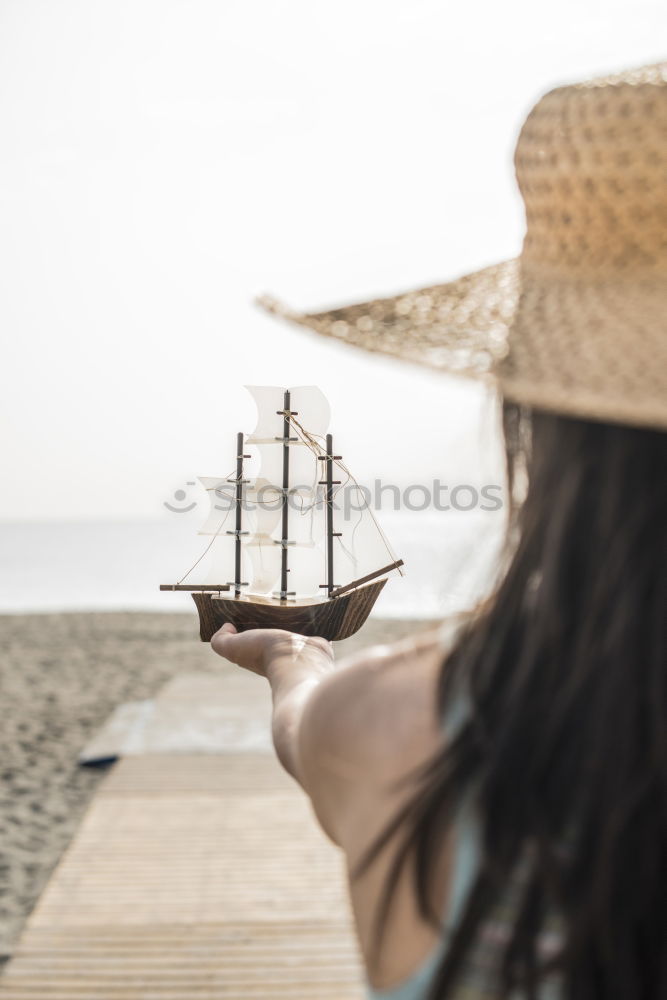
(163, 161)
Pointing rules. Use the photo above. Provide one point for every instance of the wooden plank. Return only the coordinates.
(197, 774)
(195, 712)
(190, 857)
(193, 877)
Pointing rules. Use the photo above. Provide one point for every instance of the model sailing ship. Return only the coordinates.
(298, 563)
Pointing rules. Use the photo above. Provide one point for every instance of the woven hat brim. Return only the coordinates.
(590, 348)
(459, 327)
(585, 348)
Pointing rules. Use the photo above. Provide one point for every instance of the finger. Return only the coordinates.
(227, 628)
(244, 649)
(218, 639)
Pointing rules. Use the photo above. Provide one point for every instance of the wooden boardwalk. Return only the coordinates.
(193, 876)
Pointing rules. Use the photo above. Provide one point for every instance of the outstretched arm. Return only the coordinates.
(294, 666)
(336, 729)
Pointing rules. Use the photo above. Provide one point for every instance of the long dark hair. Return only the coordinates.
(566, 742)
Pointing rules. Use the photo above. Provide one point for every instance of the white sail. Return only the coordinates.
(304, 469)
(260, 509)
(306, 558)
(361, 547)
(311, 406)
(221, 515)
(264, 556)
(311, 412)
(218, 562)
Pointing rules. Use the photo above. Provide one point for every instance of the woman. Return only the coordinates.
(501, 793)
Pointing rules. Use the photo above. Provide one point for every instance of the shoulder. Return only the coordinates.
(386, 689)
(372, 719)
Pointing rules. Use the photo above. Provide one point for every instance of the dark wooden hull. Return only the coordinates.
(333, 618)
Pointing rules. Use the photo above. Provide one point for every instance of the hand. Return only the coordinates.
(261, 649)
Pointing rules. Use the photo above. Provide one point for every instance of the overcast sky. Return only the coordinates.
(163, 161)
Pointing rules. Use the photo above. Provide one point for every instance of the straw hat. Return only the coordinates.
(577, 323)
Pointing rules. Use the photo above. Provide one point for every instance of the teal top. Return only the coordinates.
(466, 855)
(465, 862)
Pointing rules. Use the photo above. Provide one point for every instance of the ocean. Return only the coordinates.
(103, 566)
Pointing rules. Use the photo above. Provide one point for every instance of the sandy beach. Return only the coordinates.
(61, 675)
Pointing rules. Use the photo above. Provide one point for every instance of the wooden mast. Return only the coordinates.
(284, 539)
(240, 482)
(330, 482)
